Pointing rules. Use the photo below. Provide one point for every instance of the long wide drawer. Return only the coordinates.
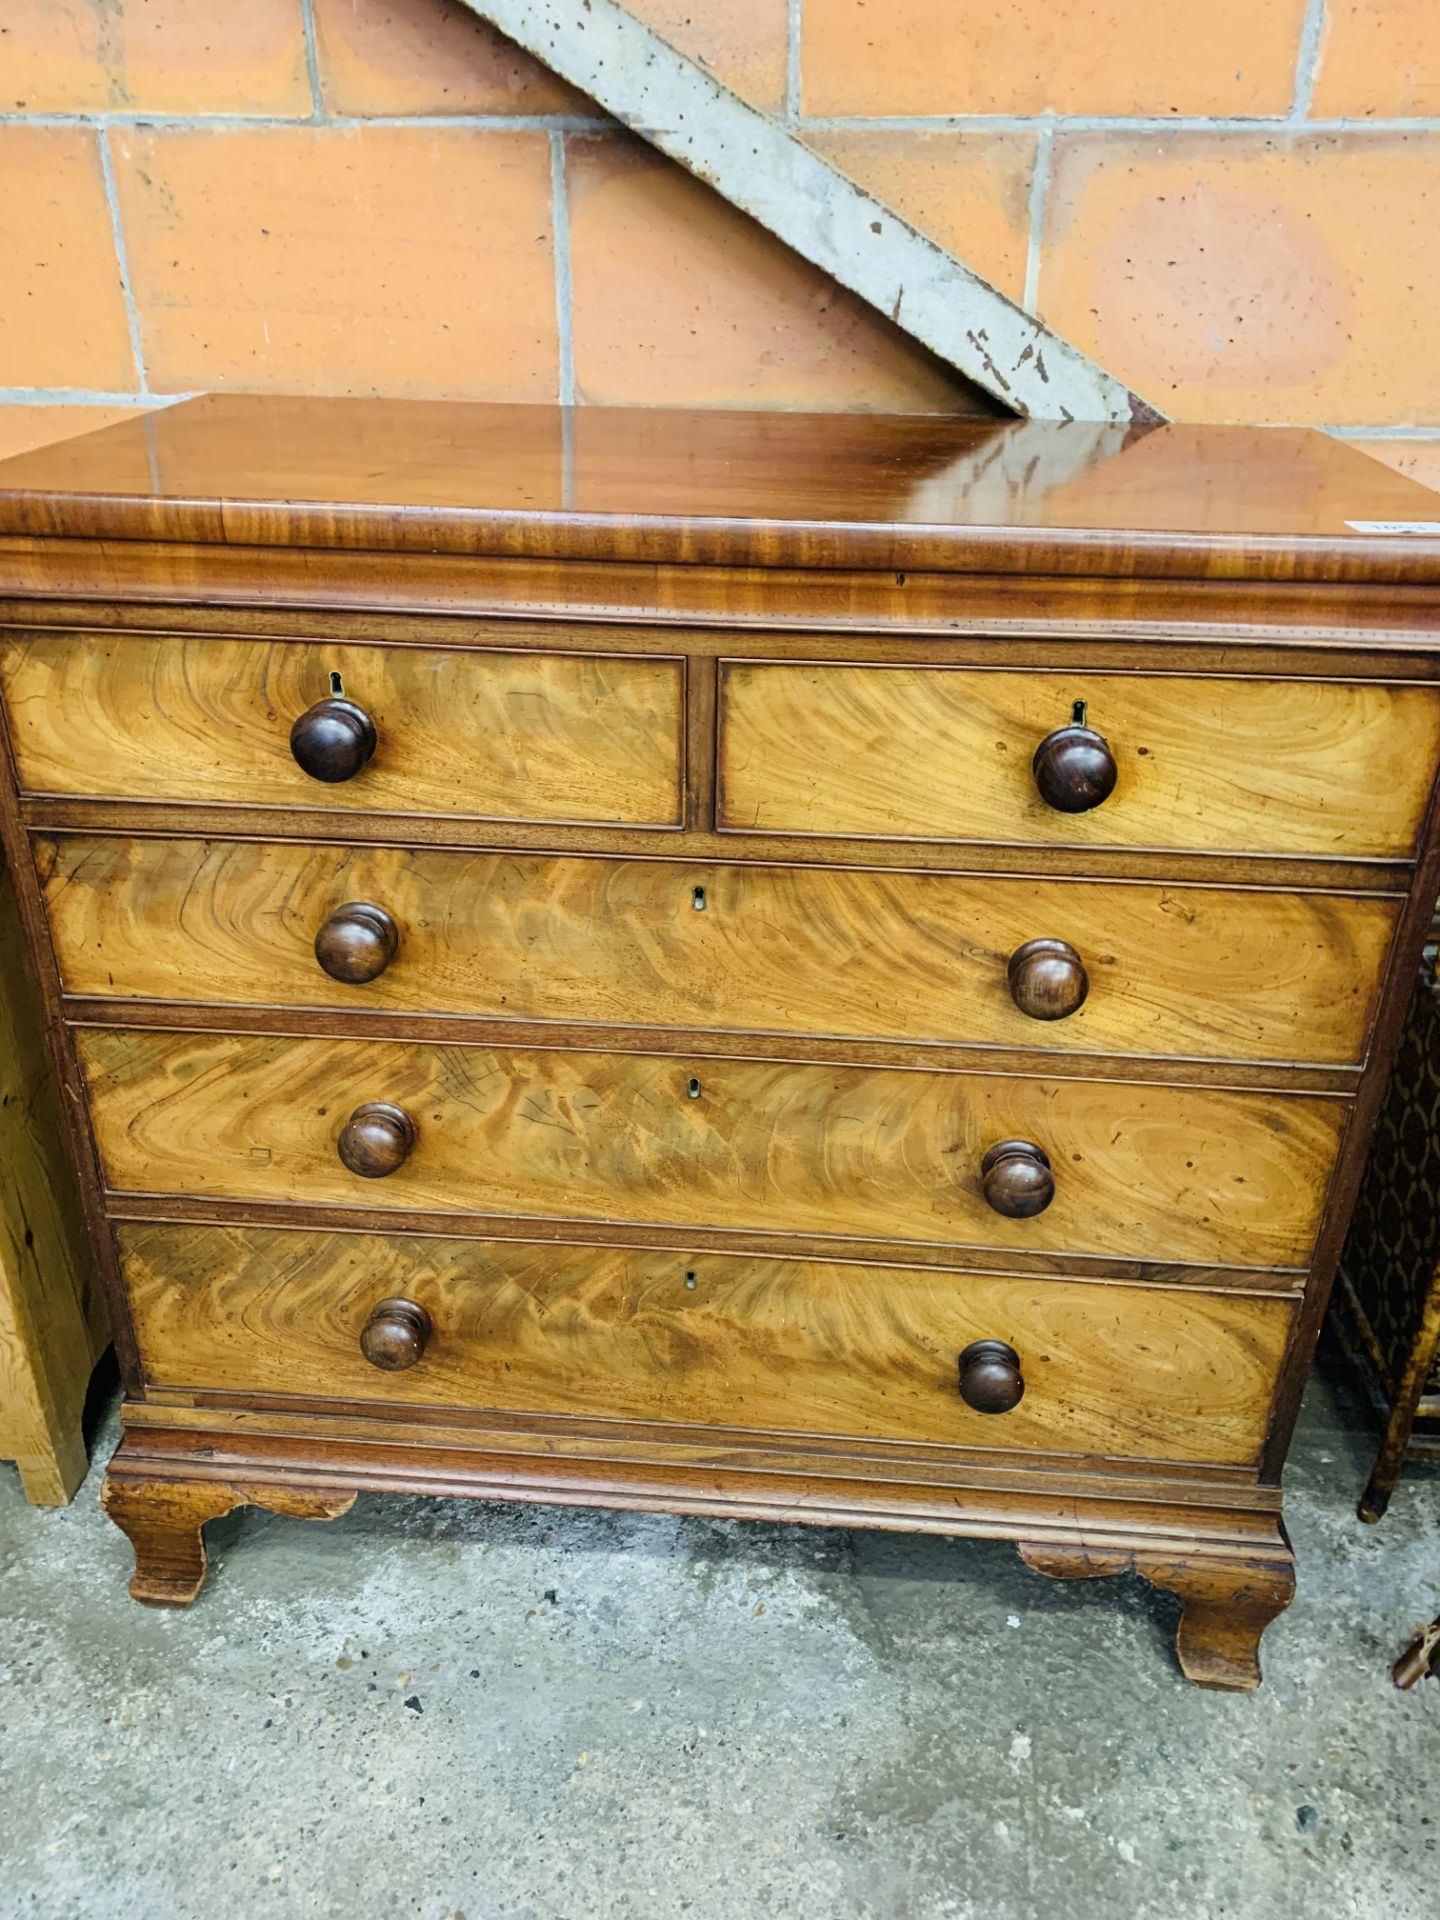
(1330, 769)
(1190, 971)
(1151, 1172)
(779, 1345)
(469, 733)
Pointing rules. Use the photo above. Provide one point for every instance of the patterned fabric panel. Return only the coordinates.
(1390, 1257)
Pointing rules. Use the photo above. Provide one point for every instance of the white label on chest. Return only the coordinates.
(1394, 526)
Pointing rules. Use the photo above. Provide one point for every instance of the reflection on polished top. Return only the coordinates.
(757, 489)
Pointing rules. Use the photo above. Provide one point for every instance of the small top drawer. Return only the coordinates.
(478, 733)
(1324, 769)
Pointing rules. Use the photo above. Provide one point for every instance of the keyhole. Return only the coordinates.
(337, 685)
(693, 1089)
(697, 899)
(690, 1282)
(1077, 714)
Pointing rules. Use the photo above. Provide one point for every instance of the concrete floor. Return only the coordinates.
(504, 1714)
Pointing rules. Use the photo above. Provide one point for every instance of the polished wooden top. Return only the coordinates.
(747, 489)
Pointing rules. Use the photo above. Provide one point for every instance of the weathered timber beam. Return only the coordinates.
(765, 169)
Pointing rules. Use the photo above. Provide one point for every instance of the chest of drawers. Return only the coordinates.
(805, 968)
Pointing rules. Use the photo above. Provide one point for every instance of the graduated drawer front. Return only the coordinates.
(783, 1345)
(1191, 971)
(1149, 1172)
(464, 733)
(1297, 767)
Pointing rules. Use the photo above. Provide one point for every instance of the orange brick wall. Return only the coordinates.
(1234, 204)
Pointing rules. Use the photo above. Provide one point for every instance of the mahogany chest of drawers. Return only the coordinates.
(826, 969)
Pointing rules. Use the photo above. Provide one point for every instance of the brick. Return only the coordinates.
(970, 192)
(434, 56)
(742, 42)
(1247, 277)
(62, 311)
(1417, 459)
(1027, 56)
(23, 426)
(679, 300)
(1379, 58)
(401, 260)
(427, 56)
(160, 56)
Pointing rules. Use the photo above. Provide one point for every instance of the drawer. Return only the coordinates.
(1190, 971)
(1330, 769)
(1151, 1172)
(465, 733)
(777, 1345)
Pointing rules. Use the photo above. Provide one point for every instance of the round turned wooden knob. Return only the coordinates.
(377, 1140)
(357, 943)
(990, 1379)
(394, 1336)
(1047, 979)
(1074, 769)
(1017, 1179)
(332, 740)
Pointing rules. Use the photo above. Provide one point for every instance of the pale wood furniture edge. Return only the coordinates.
(53, 1324)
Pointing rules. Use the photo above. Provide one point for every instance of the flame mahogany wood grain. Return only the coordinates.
(526, 736)
(798, 1346)
(1183, 971)
(1307, 767)
(870, 1152)
(628, 571)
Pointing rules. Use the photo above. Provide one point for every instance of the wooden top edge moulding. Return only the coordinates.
(722, 488)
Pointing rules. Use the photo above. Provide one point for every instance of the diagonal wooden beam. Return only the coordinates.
(762, 167)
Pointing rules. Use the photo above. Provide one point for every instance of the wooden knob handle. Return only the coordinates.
(1074, 769)
(395, 1335)
(377, 1140)
(357, 943)
(332, 740)
(990, 1378)
(1047, 979)
(1017, 1179)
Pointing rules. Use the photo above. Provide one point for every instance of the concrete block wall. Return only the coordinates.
(1232, 203)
